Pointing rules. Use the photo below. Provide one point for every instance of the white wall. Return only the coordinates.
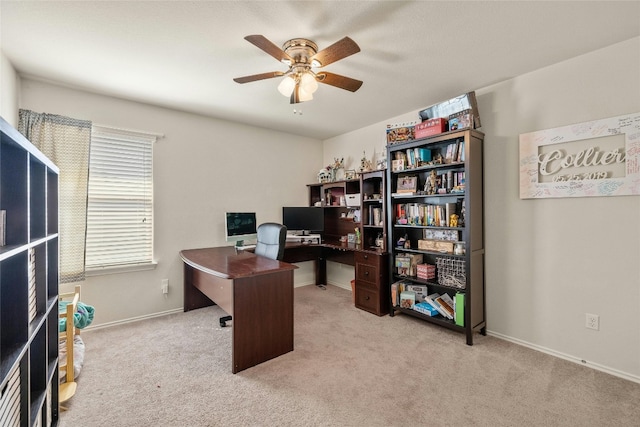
(202, 168)
(9, 89)
(550, 261)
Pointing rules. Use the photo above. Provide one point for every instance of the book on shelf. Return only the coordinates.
(431, 300)
(450, 209)
(395, 293)
(420, 291)
(374, 216)
(396, 289)
(458, 306)
(411, 157)
(460, 152)
(426, 308)
(407, 299)
(445, 303)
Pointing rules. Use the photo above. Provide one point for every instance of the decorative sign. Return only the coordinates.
(597, 158)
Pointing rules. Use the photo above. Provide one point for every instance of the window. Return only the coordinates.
(120, 199)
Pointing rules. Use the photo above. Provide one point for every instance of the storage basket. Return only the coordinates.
(451, 272)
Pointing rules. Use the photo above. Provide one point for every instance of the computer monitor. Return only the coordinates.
(303, 220)
(240, 226)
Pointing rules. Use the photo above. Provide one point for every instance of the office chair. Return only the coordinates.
(272, 238)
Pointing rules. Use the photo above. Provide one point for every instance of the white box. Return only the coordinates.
(353, 200)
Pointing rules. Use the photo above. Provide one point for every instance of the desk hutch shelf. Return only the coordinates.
(431, 179)
(369, 257)
(28, 283)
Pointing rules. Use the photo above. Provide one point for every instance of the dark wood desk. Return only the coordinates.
(256, 291)
(371, 269)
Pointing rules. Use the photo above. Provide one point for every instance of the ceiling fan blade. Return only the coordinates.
(346, 83)
(340, 49)
(268, 46)
(255, 77)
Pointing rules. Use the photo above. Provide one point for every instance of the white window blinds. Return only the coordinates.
(120, 203)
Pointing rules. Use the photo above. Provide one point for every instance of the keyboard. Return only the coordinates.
(245, 247)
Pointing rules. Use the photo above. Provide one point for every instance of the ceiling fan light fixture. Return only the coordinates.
(308, 83)
(286, 86)
(304, 95)
(302, 57)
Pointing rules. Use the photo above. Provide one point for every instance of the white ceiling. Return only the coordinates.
(184, 54)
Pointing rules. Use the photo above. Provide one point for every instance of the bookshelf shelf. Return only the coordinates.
(28, 283)
(445, 208)
(438, 320)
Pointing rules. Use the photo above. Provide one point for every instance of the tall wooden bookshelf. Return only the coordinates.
(28, 283)
(429, 180)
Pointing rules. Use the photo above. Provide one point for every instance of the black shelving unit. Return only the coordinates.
(28, 284)
(458, 190)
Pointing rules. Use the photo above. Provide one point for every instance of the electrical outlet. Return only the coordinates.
(592, 321)
(165, 286)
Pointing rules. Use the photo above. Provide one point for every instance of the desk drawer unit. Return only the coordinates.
(371, 282)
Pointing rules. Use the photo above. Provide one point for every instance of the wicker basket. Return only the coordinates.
(451, 272)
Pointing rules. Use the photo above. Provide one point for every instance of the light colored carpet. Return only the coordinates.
(349, 368)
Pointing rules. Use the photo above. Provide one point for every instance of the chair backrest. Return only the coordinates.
(271, 240)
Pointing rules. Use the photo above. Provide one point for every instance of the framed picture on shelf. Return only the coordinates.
(350, 174)
(407, 184)
(397, 165)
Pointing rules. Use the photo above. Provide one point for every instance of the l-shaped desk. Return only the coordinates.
(258, 291)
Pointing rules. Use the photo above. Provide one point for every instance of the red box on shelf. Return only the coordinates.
(426, 271)
(430, 127)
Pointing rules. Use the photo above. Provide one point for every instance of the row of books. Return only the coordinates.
(451, 181)
(414, 157)
(427, 214)
(454, 152)
(420, 156)
(407, 295)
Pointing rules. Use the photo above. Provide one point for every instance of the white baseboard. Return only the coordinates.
(340, 285)
(337, 285)
(134, 319)
(568, 357)
(298, 285)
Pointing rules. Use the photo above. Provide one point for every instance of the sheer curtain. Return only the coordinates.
(66, 142)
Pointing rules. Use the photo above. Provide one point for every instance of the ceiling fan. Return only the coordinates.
(302, 56)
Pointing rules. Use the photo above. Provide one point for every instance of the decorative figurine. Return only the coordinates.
(431, 185)
(365, 164)
(453, 220)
